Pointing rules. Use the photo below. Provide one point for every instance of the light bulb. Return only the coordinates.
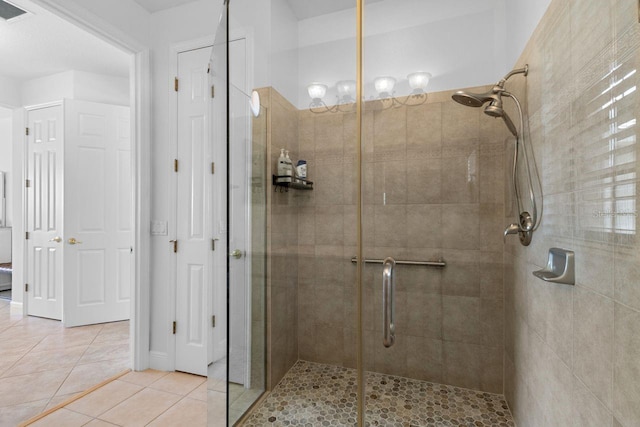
(419, 81)
(384, 85)
(346, 88)
(317, 90)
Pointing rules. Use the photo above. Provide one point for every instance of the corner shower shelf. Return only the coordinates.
(560, 267)
(285, 186)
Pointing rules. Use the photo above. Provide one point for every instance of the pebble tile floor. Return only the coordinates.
(315, 395)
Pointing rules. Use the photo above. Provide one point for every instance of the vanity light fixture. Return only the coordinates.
(384, 87)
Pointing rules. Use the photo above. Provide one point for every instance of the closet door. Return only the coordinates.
(45, 212)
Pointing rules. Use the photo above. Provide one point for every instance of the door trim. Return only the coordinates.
(140, 97)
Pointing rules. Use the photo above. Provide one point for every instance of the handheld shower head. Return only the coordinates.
(495, 109)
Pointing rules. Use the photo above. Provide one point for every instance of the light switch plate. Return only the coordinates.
(159, 228)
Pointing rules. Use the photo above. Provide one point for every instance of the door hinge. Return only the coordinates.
(175, 84)
(174, 328)
(175, 165)
(213, 321)
(26, 287)
(213, 168)
(26, 131)
(26, 235)
(175, 245)
(27, 183)
(213, 91)
(213, 244)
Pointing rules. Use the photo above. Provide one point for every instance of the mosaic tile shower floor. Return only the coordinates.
(314, 395)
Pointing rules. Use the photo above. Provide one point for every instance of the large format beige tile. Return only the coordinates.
(104, 398)
(14, 415)
(83, 377)
(188, 412)
(31, 387)
(46, 360)
(141, 409)
(63, 417)
(143, 378)
(626, 380)
(178, 383)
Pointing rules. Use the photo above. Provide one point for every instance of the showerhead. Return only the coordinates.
(469, 99)
(495, 110)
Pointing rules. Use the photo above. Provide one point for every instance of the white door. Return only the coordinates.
(98, 213)
(44, 212)
(239, 214)
(193, 216)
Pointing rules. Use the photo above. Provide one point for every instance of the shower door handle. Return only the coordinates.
(388, 303)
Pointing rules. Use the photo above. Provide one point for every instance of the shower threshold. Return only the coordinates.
(313, 394)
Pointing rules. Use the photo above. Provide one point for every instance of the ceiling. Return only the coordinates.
(156, 5)
(305, 9)
(41, 44)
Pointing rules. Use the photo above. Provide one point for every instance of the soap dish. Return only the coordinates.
(560, 267)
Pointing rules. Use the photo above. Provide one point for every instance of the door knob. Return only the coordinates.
(73, 241)
(56, 239)
(236, 253)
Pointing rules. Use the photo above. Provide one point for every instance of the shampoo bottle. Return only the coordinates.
(289, 167)
(282, 167)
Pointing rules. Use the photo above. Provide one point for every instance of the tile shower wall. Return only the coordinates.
(572, 354)
(282, 243)
(434, 178)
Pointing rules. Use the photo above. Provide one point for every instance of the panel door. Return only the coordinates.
(193, 212)
(98, 213)
(44, 212)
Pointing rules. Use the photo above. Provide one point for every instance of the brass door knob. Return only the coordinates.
(236, 253)
(73, 241)
(56, 239)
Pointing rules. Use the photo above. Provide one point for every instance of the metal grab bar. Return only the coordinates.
(388, 303)
(439, 263)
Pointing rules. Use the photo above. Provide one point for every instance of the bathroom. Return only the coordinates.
(469, 202)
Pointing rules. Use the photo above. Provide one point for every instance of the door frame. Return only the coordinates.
(176, 49)
(140, 97)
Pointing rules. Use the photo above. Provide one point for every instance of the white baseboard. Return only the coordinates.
(16, 308)
(159, 361)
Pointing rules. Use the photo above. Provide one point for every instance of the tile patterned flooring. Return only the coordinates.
(313, 395)
(148, 398)
(43, 364)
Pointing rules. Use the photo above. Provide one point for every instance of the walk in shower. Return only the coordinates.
(381, 287)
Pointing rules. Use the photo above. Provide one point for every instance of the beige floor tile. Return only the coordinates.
(104, 398)
(63, 417)
(178, 382)
(100, 423)
(57, 400)
(143, 378)
(106, 350)
(27, 388)
(200, 393)
(187, 412)
(46, 360)
(217, 409)
(217, 385)
(65, 340)
(141, 408)
(14, 415)
(86, 376)
(115, 328)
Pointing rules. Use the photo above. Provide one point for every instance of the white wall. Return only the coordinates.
(284, 50)
(76, 85)
(101, 88)
(47, 89)
(6, 151)
(9, 92)
(522, 18)
(188, 22)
